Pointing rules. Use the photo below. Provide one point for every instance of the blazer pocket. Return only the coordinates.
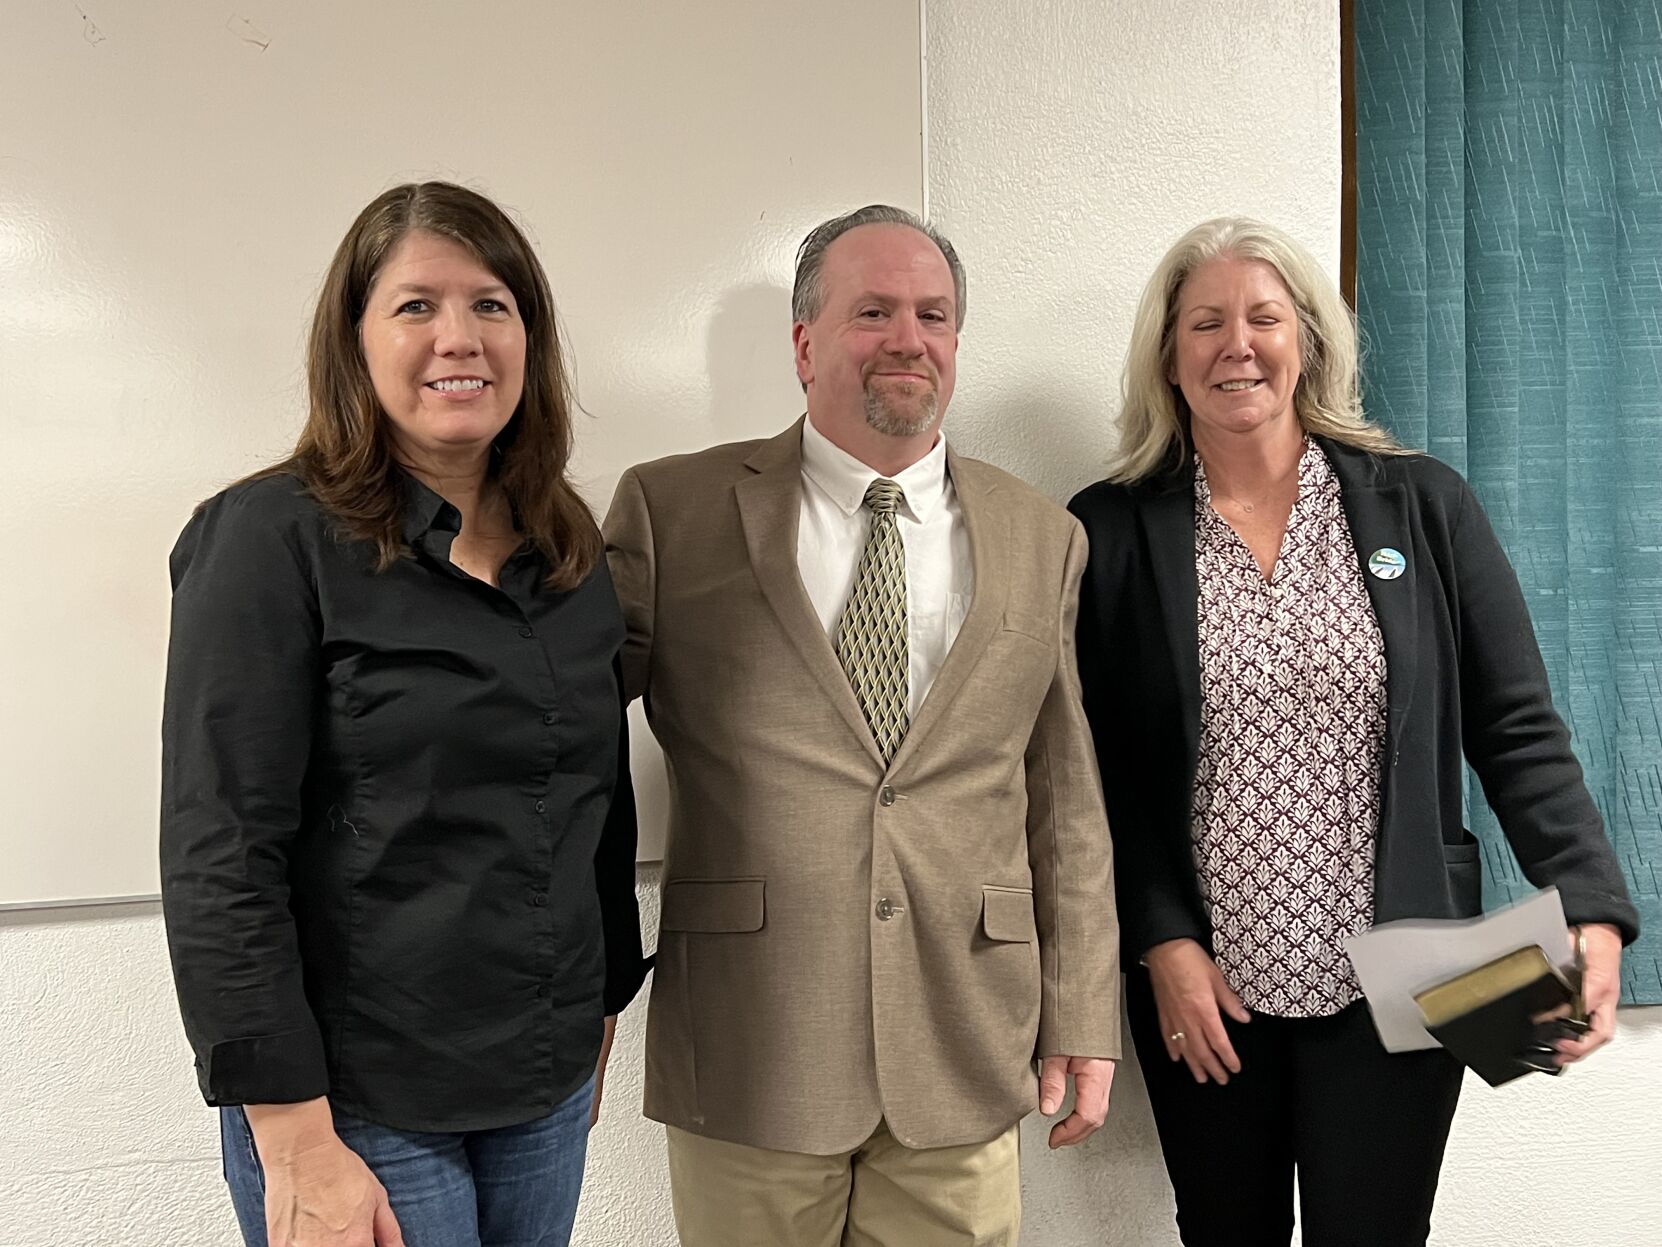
(1464, 865)
(1032, 626)
(711, 905)
(1007, 915)
(1467, 850)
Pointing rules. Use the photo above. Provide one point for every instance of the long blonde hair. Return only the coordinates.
(1154, 419)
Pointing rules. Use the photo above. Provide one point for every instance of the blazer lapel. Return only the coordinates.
(770, 507)
(1378, 514)
(1169, 526)
(988, 527)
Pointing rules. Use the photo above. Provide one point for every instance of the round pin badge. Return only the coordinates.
(1387, 563)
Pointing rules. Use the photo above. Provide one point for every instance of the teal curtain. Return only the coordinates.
(1509, 289)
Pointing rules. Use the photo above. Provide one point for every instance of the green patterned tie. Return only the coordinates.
(871, 637)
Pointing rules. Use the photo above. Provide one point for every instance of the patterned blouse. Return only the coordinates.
(1292, 726)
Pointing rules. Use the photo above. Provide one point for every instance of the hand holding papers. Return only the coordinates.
(1476, 983)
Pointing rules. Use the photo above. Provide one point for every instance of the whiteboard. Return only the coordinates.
(174, 176)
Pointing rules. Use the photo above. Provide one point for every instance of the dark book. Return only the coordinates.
(1486, 1017)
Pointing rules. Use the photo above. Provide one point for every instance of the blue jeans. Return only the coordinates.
(512, 1187)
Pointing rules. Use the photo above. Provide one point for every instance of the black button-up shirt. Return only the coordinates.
(398, 833)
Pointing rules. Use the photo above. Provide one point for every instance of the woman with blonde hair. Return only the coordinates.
(397, 826)
(1293, 634)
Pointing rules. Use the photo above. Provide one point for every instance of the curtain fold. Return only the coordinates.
(1509, 291)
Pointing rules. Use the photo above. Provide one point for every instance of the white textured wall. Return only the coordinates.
(1069, 143)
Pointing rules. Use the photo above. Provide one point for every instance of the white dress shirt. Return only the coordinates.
(940, 578)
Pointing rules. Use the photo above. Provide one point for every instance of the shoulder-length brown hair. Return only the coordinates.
(345, 455)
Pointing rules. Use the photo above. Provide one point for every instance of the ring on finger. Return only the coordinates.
(1178, 1036)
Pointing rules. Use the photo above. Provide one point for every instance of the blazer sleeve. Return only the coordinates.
(631, 555)
(1138, 752)
(1071, 857)
(243, 669)
(1515, 740)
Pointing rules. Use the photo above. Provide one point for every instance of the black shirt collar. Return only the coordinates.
(425, 511)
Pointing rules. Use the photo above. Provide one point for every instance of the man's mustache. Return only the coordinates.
(903, 365)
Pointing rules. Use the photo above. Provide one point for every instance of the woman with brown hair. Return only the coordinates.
(397, 825)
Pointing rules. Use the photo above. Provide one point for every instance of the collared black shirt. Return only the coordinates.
(397, 833)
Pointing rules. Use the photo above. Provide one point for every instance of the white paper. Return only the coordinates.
(1396, 960)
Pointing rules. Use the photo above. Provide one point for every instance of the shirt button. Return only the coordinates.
(541, 807)
(540, 899)
(549, 718)
(886, 909)
(525, 632)
(543, 991)
(886, 797)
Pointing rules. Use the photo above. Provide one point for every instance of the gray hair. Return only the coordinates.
(1154, 419)
(808, 294)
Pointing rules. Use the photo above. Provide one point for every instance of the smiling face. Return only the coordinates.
(1235, 350)
(881, 354)
(445, 348)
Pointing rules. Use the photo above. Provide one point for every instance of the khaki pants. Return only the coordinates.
(879, 1195)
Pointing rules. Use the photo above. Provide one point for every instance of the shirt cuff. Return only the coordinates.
(266, 1069)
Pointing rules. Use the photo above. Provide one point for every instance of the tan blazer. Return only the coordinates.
(842, 942)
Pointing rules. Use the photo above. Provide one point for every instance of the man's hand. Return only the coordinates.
(318, 1191)
(1092, 1079)
(600, 1069)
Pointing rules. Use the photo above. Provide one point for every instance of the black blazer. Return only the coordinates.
(1464, 675)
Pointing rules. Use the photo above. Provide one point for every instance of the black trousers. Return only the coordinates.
(1363, 1129)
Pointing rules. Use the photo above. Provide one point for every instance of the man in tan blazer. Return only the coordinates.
(887, 886)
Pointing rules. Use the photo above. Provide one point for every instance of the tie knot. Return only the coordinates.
(884, 496)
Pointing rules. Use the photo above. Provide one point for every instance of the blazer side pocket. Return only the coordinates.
(1033, 626)
(713, 905)
(1007, 915)
(1464, 863)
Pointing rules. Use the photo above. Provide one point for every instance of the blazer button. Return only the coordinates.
(887, 909)
(886, 797)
